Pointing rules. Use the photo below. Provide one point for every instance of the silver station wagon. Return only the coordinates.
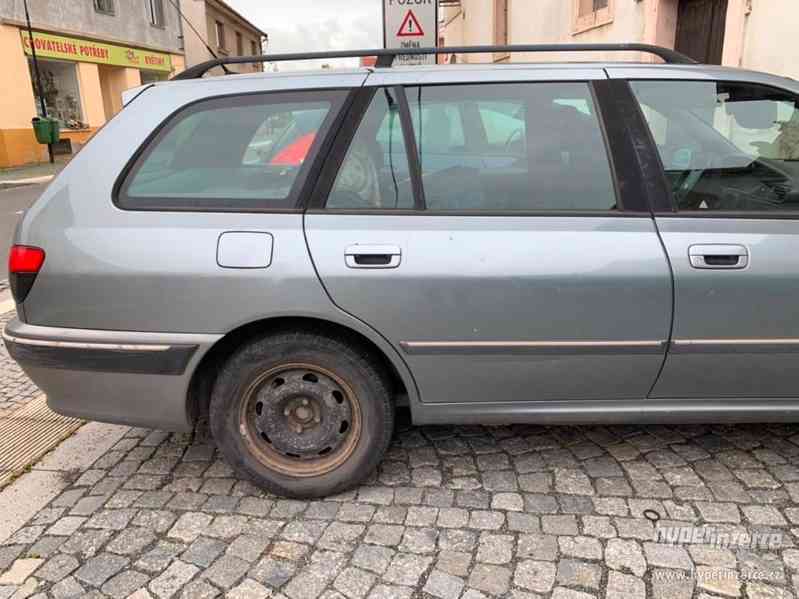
(295, 255)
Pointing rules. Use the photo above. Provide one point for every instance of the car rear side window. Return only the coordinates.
(725, 146)
(511, 147)
(244, 153)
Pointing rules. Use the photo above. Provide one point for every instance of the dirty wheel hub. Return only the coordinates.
(302, 420)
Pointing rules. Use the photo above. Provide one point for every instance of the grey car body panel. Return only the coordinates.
(505, 280)
(129, 271)
(756, 303)
(127, 276)
(735, 332)
(139, 399)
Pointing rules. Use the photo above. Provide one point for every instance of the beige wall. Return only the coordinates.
(232, 26)
(204, 15)
(16, 100)
(759, 33)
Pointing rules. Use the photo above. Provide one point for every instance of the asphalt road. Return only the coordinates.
(12, 203)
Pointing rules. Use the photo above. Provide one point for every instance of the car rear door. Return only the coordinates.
(729, 146)
(512, 266)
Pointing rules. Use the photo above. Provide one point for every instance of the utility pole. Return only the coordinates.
(39, 87)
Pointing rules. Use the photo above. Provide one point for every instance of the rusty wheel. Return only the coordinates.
(302, 414)
(300, 420)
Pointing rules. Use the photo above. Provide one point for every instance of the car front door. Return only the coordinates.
(730, 153)
(505, 267)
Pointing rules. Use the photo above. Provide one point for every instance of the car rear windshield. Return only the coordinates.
(240, 153)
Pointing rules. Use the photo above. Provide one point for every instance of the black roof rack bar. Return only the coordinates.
(385, 58)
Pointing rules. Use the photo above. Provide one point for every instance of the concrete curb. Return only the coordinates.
(23, 498)
(22, 182)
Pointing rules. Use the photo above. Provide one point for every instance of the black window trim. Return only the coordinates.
(317, 203)
(340, 100)
(641, 182)
(670, 210)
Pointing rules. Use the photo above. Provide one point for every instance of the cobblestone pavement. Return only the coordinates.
(453, 513)
(16, 389)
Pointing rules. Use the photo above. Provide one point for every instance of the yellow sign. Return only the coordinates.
(70, 48)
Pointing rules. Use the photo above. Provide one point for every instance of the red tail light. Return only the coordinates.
(24, 263)
(25, 259)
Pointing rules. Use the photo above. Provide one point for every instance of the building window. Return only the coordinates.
(253, 48)
(104, 6)
(61, 92)
(155, 12)
(591, 13)
(239, 44)
(220, 35)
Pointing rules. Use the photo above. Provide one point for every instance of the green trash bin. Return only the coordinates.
(48, 131)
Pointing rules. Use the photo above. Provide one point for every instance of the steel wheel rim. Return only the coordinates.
(271, 416)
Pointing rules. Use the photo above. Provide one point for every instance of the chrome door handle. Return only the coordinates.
(373, 256)
(720, 256)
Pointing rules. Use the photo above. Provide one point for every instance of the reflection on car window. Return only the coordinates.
(510, 147)
(375, 171)
(242, 149)
(725, 146)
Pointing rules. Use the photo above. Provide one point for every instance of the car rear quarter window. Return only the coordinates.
(725, 146)
(249, 152)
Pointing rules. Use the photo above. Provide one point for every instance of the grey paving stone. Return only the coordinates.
(125, 583)
(443, 585)
(354, 582)
(130, 541)
(579, 573)
(491, 579)
(625, 555)
(171, 580)
(273, 573)
(406, 569)
(535, 576)
(100, 568)
(226, 571)
(57, 567)
(203, 551)
(68, 588)
(624, 586)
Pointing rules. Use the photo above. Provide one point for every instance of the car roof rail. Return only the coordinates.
(385, 57)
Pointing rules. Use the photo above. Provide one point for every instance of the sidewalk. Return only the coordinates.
(32, 173)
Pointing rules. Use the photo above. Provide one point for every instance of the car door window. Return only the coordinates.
(375, 172)
(530, 146)
(244, 152)
(725, 145)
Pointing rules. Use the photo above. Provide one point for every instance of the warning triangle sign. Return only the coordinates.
(410, 26)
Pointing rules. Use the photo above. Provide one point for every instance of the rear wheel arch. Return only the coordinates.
(207, 370)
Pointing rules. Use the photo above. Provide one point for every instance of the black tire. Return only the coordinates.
(251, 375)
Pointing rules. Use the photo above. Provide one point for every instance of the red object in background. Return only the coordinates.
(368, 61)
(294, 154)
(24, 259)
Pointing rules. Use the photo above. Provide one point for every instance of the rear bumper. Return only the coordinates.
(124, 377)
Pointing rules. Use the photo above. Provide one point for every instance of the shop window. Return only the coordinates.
(239, 44)
(155, 12)
(61, 92)
(104, 6)
(220, 35)
(591, 13)
(153, 76)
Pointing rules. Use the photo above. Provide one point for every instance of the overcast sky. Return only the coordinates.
(308, 25)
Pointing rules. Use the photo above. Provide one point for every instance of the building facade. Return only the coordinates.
(89, 51)
(753, 34)
(226, 31)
